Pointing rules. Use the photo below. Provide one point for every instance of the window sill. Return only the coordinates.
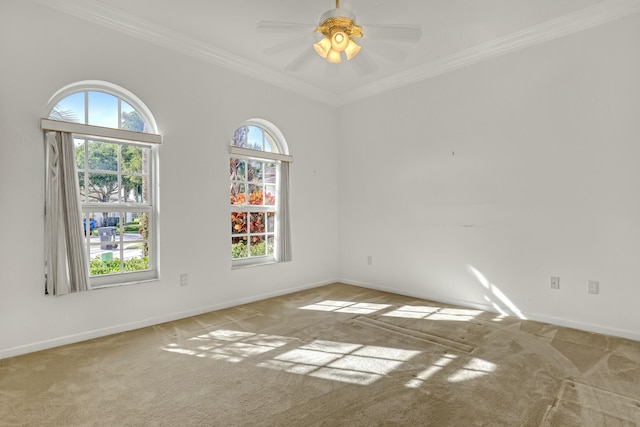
(251, 262)
(132, 282)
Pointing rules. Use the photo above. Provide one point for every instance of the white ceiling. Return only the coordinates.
(455, 33)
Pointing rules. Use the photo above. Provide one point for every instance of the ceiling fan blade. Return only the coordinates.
(385, 50)
(301, 60)
(379, 11)
(297, 43)
(400, 33)
(363, 64)
(280, 26)
(332, 71)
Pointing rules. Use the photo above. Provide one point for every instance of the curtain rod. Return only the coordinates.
(99, 131)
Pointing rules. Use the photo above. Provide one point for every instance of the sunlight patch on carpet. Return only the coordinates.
(339, 361)
(346, 307)
(423, 376)
(476, 368)
(228, 345)
(473, 369)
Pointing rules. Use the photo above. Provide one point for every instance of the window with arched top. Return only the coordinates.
(113, 145)
(259, 195)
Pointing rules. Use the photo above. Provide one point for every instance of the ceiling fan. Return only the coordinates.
(337, 37)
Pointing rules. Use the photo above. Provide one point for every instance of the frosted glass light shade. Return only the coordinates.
(339, 40)
(322, 47)
(352, 49)
(334, 56)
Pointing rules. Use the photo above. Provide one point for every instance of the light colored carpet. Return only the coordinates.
(337, 355)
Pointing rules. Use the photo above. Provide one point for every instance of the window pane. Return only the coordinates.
(79, 148)
(237, 169)
(255, 172)
(132, 159)
(132, 189)
(134, 235)
(103, 110)
(255, 195)
(240, 137)
(238, 222)
(270, 245)
(238, 194)
(83, 196)
(89, 224)
(269, 197)
(130, 119)
(117, 236)
(135, 263)
(269, 145)
(70, 109)
(239, 247)
(105, 244)
(270, 173)
(255, 140)
(103, 156)
(257, 222)
(258, 246)
(271, 216)
(102, 188)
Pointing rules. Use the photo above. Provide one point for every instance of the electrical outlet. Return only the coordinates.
(594, 287)
(369, 260)
(184, 279)
(555, 282)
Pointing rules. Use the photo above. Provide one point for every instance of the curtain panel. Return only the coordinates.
(66, 260)
(284, 234)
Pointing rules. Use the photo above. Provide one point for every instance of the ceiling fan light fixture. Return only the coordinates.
(322, 47)
(334, 56)
(338, 27)
(352, 49)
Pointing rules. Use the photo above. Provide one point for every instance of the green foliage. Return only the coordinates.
(132, 121)
(132, 228)
(240, 249)
(99, 267)
(257, 249)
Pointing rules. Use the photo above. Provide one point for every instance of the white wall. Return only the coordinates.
(476, 186)
(197, 107)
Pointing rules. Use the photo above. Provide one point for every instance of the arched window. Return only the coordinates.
(259, 195)
(115, 145)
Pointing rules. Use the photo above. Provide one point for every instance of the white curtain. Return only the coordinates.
(284, 233)
(67, 267)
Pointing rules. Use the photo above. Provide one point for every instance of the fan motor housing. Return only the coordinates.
(339, 19)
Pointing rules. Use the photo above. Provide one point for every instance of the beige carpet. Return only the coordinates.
(337, 355)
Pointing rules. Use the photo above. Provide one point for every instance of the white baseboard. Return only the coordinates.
(124, 327)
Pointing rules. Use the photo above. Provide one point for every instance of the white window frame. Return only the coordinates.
(149, 139)
(279, 154)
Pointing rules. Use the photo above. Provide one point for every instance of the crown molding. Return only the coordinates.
(117, 20)
(582, 19)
